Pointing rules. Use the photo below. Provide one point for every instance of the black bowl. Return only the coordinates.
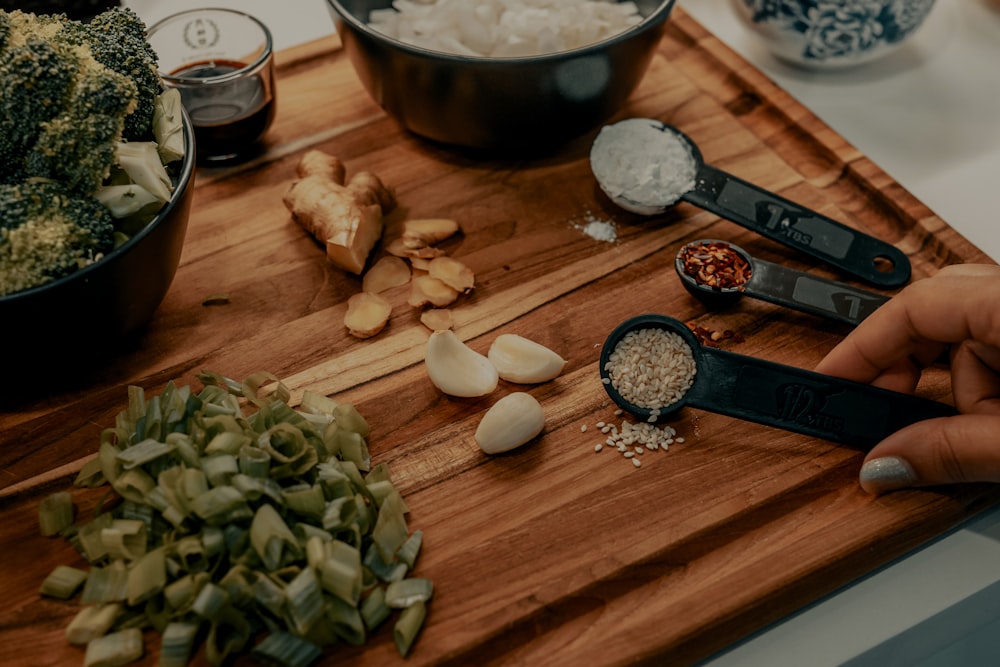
(79, 317)
(507, 104)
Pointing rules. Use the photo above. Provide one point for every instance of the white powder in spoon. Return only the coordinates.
(642, 166)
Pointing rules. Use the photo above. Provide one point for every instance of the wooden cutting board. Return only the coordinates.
(552, 554)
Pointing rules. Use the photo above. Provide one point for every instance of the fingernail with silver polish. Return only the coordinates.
(886, 474)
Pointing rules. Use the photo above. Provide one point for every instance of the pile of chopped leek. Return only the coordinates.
(230, 527)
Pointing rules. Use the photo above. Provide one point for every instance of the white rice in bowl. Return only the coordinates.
(504, 28)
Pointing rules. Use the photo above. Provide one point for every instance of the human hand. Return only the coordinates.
(958, 307)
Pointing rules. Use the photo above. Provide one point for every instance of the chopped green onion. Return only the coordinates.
(303, 601)
(63, 582)
(89, 536)
(184, 449)
(106, 584)
(253, 523)
(125, 538)
(229, 634)
(408, 627)
(403, 593)
(340, 573)
(291, 454)
(269, 595)
(390, 528)
(317, 404)
(118, 648)
(219, 468)
(352, 447)
(306, 500)
(134, 485)
(177, 644)
(237, 583)
(346, 621)
(384, 571)
(283, 649)
(190, 553)
(55, 513)
(374, 610)
(348, 418)
(107, 456)
(221, 505)
(210, 601)
(410, 549)
(254, 488)
(180, 594)
(254, 462)
(253, 383)
(147, 576)
(227, 442)
(91, 622)
(142, 453)
(90, 475)
(271, 538)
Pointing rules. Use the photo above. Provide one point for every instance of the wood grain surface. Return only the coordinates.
(552, 554)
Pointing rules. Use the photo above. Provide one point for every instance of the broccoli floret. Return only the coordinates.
(47, 233)
(78, 147)
(63, 111)
(117, 40)
(36, 81)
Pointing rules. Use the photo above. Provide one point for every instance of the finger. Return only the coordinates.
(904, 335)
(964, 448)
(976, 378)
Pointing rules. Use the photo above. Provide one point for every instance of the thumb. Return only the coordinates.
(964, 448)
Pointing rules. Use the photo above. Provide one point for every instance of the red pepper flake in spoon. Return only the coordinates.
(715, 264)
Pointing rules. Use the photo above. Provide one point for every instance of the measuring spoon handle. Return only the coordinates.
(811, 294)
(796, 226)
(804, 402)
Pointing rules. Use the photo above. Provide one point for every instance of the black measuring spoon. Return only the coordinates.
(774, 394)
(624, 158)
(768, 281)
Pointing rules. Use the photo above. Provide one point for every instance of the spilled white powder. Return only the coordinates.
(641, 166)
(597, 229)
(601, 231)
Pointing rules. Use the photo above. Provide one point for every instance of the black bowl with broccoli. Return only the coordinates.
(96, 175)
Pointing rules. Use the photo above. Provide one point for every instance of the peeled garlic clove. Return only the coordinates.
(511, 422)
(457, 369)
(518, 359)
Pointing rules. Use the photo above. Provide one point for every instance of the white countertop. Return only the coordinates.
(929, 115)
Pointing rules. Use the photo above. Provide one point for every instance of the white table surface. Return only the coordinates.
(929, 115)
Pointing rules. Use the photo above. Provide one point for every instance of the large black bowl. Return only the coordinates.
(507, 104)
(84, 315)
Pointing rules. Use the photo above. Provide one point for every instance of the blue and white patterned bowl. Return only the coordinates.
(827, 34)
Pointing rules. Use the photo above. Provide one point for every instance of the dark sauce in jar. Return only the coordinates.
(227, 117)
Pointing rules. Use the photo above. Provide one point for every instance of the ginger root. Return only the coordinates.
(345, 216)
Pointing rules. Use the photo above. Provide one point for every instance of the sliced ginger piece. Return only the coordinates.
(427, 231)
(437, 319)
(346, 218)
(453, 273)
(426, 290)
(386, 273)
(367, 314)
(420, 263)
(398, 248)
